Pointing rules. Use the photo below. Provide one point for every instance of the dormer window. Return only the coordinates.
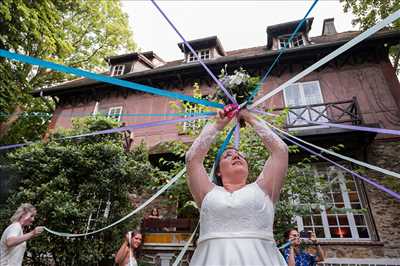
(202, 54)
(278, 35)
(117, 70)
(297, 41)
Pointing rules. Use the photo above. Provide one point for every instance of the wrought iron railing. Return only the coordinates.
(332, 112)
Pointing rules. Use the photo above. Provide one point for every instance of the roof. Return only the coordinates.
(203, 43)
(149, 55)
(231, 57)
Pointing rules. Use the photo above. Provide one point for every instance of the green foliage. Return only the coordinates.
(368, 13)
(75, 33)
(72, 179)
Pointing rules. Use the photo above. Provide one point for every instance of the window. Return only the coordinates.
(297, 41)
(203, 54)
(300, 94)
(343, 192)
(115, 113)
(195, 124)
(117, 70)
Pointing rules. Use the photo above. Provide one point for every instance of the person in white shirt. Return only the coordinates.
(13, 240)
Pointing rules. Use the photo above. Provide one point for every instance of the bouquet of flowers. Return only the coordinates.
(240, 85)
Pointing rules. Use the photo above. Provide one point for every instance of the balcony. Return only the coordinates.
(333, 112)
(299, 120)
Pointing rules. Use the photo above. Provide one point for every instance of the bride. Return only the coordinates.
(236, 219)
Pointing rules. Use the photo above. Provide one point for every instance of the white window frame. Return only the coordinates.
(194, 124)
(301, 90)
(111, 113)
(117, 70)
(292, 43)
(203, 54)
(350, 215)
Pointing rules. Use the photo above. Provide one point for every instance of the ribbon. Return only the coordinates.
(219, 154)
(369, 181)
(389, 19)
(111, 115)
(147, 202)
(373, 167)
(263, 80)
(106, 79)
(183, 251)
(113, 130)
(359, 128)
(233, 100)
(345, 126)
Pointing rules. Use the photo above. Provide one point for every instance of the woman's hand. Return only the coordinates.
(313, 238)
(221, 120)
(37, 231)
(246, 115)
(127, 235)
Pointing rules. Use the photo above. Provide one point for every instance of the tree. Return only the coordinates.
(368, 13)
(76, 33)
(71, 180)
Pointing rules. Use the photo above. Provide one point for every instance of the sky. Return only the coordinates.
(238, 24)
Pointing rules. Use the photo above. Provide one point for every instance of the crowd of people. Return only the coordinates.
(236, 218)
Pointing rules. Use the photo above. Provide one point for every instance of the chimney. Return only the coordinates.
(329, 27)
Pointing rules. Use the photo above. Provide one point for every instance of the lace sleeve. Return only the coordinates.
(202, 143)
(269, 138)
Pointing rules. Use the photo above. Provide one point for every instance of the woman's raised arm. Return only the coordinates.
(272, 177)
(199, 183)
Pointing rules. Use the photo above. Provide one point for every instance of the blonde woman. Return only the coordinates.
(13, 240)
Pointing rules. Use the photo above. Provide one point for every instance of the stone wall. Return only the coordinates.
(385, 209)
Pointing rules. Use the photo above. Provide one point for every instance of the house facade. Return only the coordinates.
(360, 87)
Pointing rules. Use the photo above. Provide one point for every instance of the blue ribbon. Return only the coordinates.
(113, 130)
(219, 154)
(106, 79)
(113, 115)
(262, 81)
(233, 100)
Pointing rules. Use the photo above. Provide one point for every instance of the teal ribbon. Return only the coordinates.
(219, 154)
(24, 114)
(106, 79)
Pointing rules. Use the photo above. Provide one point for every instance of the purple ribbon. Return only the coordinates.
(359, 128)
(345, 126)
(371, 182)
(115, 130)
(236, 142)
(233, 100)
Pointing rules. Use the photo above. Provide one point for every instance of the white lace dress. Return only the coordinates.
(236, 229)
